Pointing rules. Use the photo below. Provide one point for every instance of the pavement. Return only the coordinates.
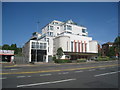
(74, 75)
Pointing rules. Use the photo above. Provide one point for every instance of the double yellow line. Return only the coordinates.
(58, 70)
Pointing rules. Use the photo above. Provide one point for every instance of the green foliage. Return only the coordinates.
(81, 60)
(62, 61)
(59, 53)
(117, 44)
(117, 41)
(54, 58)
(102, 58)
(5, 47)
(111, 51)
(17, 51)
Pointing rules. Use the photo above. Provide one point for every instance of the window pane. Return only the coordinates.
(83, 30)
(51, 27)
(33, 44)
(69, 27)
(37, 45)
(71, 46)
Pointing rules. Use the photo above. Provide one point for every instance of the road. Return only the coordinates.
(86, 75)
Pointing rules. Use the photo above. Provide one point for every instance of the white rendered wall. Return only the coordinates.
(75, 28)
(93, 46)
(62, 41)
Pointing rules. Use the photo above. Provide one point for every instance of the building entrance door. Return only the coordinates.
(37, 56)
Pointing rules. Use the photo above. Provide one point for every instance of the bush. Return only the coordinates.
(102, 59)
(54, 58)
(81, 60)
(62, 61)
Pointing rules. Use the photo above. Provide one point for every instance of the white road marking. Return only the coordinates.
(45, 74)
(3, 78)
(91, 70)
(21, 76)
(59, 73)
(106, 73)
(65, 73)
(28, 76)
(46, 83)
(78, 71)
(13, 69)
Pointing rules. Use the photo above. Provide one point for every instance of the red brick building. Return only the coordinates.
(105, 48)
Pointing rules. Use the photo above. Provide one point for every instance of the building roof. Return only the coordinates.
(70, 21)
(108, 43)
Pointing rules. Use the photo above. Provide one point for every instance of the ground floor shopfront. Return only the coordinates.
(7, 58)
(38, 55)
(6, 55)
(78, 55)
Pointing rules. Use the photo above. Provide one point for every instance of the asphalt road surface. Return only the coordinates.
(86, 75)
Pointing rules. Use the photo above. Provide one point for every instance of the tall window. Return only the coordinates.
(37, 45)
(48, 49)
(71, 46)
(44, 45)
(48, 40)
(75, 46)
(51, 27)
(41, 45)
(78, 46)
(64, 27)
(33, 45)
(82, 46)
(51, 33)
(48, 27)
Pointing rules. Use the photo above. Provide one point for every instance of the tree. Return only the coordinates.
(5, 47)
(59, 53)
(111, 51)
(117, 45)
(14, 47)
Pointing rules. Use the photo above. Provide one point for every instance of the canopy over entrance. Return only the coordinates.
(79, 55)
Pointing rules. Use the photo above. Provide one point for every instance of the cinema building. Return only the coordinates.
(71, 37)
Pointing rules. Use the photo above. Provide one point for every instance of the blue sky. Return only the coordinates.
(20, 19)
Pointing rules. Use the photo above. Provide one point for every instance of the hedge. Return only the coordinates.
(62, 61)
(81, 60)
(102, 59)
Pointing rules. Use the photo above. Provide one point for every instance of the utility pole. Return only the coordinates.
(37, 40)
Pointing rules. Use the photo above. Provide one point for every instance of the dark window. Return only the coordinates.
(71, 46)
(69, 27)
(51, 27)
(64, 27)
(82, 46)
(83, 30)
(33, 45)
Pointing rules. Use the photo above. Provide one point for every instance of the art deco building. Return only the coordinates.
(70, 36)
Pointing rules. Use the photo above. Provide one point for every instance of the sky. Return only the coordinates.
(19, 19)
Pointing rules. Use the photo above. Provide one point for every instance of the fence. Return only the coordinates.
(20, 60)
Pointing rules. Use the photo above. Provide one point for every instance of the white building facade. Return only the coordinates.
(72, 38)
